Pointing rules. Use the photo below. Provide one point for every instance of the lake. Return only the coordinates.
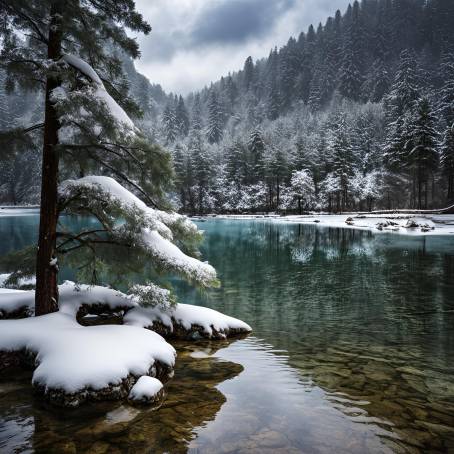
(352, 352)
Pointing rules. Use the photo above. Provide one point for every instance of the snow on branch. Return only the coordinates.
(98, 91)
(144, 227)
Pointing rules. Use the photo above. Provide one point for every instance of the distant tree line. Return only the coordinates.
(355, 114)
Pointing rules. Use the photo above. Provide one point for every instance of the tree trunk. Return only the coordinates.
(46, 296)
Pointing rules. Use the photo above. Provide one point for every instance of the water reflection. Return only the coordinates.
(193, 400)
(271, 407)
(353, 351)
(367, 316)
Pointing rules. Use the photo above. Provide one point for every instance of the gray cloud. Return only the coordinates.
(194, 42)
(234, 21)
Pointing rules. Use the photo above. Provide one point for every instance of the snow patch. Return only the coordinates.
(156, 238)
(145, 389)
(71, 357)
(100, 91)
(187, 316)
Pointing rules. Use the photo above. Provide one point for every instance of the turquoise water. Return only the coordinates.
(352, 351)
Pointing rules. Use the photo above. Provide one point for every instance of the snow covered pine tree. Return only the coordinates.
(86, 131)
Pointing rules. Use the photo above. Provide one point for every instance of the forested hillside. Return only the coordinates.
(353, 114)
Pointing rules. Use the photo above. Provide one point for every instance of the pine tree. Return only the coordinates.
(290, 62)
(400, 104)
(341, 151)
(214, 129)
(422, 149)
(315, 95)
(202, 169)
(4, 111)
(307, 49)
(447, 160)
(446, 94)
(248, 74)
(377, 83)
(350, 76)
(196, 117)
(169, 123)
(83, 119)
(231, 93)
(181, 117)
(256, 147)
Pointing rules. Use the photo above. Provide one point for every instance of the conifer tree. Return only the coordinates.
(400, 105)
(422, 149)
(214, 128)
(248, 73)
(169, 123)
(181, 117)
(83, 119)
(446, 94)
(196, 117)
(257, 149)
(342, 157)
(447, 160)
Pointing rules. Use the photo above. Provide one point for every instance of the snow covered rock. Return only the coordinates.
(15, 304)
(147, 390)
(182, 321)
(411, 224)
(187, 321)
(75, 363)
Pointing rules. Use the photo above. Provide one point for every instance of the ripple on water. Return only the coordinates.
(352, 352)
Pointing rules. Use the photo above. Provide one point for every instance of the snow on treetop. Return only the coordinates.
(83, 67)
(100, 91)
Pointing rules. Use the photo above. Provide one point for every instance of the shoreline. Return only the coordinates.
(427, 225)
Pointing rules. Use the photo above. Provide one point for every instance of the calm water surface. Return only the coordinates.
(352, 352)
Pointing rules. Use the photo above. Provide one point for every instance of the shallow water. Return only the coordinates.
(352, 351)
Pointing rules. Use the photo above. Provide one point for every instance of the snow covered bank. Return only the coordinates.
(75, 300)
(182, 321)
(76, 363)
(10, 211)
(187, 321)
(400, 223)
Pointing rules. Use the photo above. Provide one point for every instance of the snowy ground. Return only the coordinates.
(75, 363)
(18, 211)
(395, 223)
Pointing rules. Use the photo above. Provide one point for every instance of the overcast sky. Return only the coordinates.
(194, 42)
